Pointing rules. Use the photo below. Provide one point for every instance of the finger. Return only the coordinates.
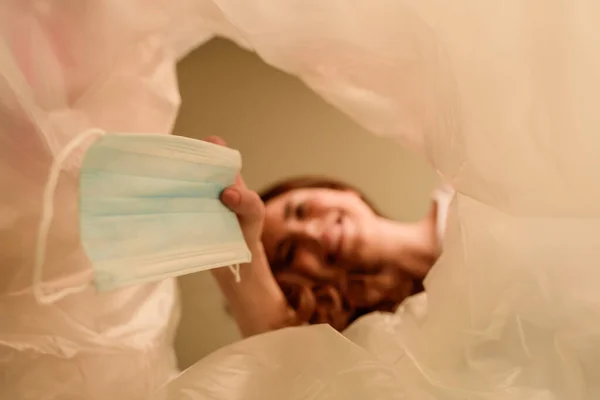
(239, 181)
(216, 140)
(231, 197)
(245, 203)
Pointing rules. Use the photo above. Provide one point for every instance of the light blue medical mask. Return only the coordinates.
(149, 209)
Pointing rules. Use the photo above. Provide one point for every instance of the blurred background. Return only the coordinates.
(282, 129)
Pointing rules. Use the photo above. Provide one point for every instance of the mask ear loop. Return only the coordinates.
(46, 220)
(235, 270)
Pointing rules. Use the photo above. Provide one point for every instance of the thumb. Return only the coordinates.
(245, 203)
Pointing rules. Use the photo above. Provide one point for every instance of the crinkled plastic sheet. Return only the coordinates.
(501, 97)
(66, 67)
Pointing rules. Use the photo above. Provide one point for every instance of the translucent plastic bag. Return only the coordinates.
(269, 367)
(66, 67)
(501, 97)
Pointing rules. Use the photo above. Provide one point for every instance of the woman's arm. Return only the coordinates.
(256, 302)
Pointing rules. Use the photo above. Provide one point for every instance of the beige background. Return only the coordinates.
(282, 129)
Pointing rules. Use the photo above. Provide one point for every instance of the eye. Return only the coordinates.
(290, 254)
(330, 259)
(300, 211)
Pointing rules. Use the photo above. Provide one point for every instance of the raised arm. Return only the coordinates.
(256, 302)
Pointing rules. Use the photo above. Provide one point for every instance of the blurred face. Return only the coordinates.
(324, 246)
(319, 231)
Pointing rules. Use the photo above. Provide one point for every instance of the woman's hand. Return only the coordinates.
(257, 302)
(246, 204)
